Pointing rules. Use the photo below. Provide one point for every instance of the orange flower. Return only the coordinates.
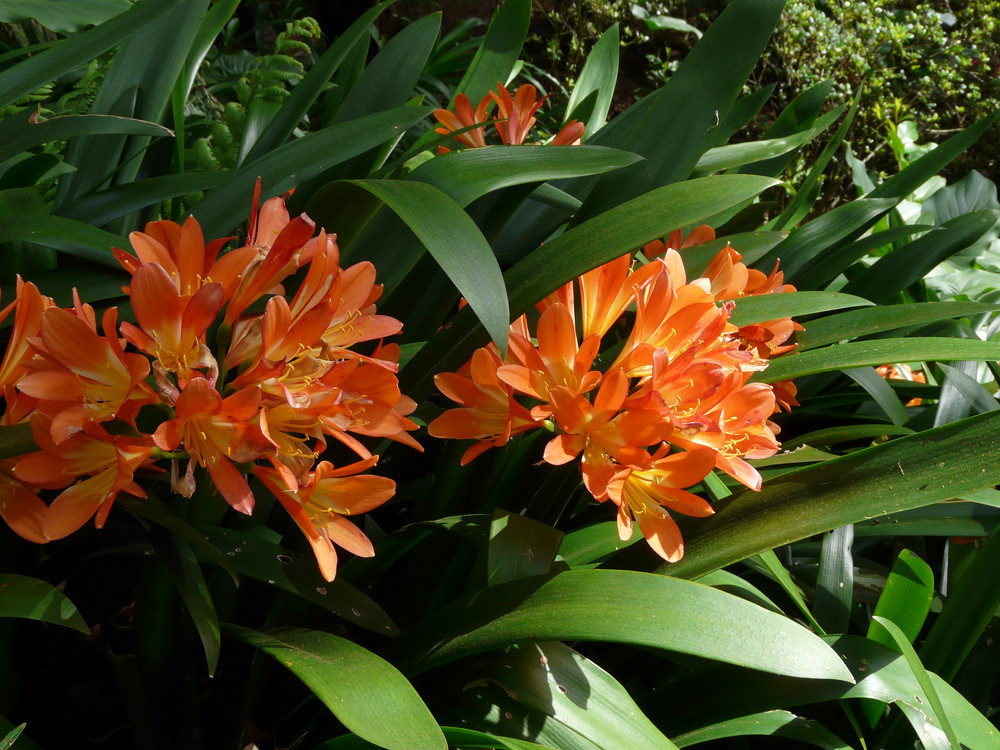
(93, 466)
(216, 432)
(642, 494)
(82, 376)
(20, 507)
(320, 505)
(490, 413)
(464, 117)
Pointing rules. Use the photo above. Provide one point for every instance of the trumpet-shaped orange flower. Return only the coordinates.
(83, 376)
(215, 433)
(465, 117)
(321, 504)
(92, 465)
(646, 494)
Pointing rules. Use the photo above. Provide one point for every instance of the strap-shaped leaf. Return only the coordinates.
(591, 97)
(65, 236)
(603, 238)
(772, 306)
(624, 607)
(850, 325)
(287, 166)
(32, 599)
(778, 723)
(33, 73)
(366, 693)
(910, 472)
(499, 51)
(20, 133)
(455, 242)
(878, 352)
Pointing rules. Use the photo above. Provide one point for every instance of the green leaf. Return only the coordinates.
(285, 167)
(740, 154)
(186, 574)
(66, 236)
(32, 599)
(881, 392)
(846, 434)
(738, 586)
(16, 440)
(910, 472)
(455, 242)
(789, 305)
(456, 736)
(942, 519)
(908, 264)
(257, 558)
(835, 580)
(591, 97)
(906, 598)
(603, 238)
(850, 325)
(591, 543)
(499, 52)
(877, 352)
(902, 644)
(363, 691)
(648, 610)
(63, 16)
(968, 610)
(970, 389)
(776, 723)
(769, 561)
(35, 72)
(472, 173)
(100, 208)
(519, 547)
(674, 127)
(22, 132)
(566, 696)
(750, 245)
(8, 740)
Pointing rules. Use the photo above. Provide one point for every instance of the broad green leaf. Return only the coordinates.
(305, 93)
(738, 586)
(566, 695)
(257, 558)
(674, 128)
(941, 519)
(32, 599)
(33, 73)
(769, 563)
(63, 16)
(591, 543)
(906, 598)
(835, 581)
(970, 389)
(846, 433)
(22, 132)
(850, 325)
(669, 23)
(835, 226)
(100, 208)
(877, 352)
(645, 610)
(472, 173)
(451, 237)
(881, 673)
(603, 238)
(902, 644)
(790, 305)
(285, 167)
(908, 264)
(65, 236)
(185, 571)
(499, 51)
(146, 66)
(967, 611)
(741, 113)
(591, 97)
(12, 735)
(910, 472)
(740, 154)
(768, 724)
(362, 690)
(519, 547)
(799, 115)
(828, 265)
(972, 193)
(456, 736)
(881, 392)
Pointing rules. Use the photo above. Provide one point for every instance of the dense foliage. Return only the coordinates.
(355, 394)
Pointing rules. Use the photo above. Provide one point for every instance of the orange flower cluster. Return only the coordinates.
(674, 403)
(514, 119)
(282, 379)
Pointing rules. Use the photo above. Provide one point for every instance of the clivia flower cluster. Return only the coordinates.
(674, 404)
(107, 400)
(513, 120)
